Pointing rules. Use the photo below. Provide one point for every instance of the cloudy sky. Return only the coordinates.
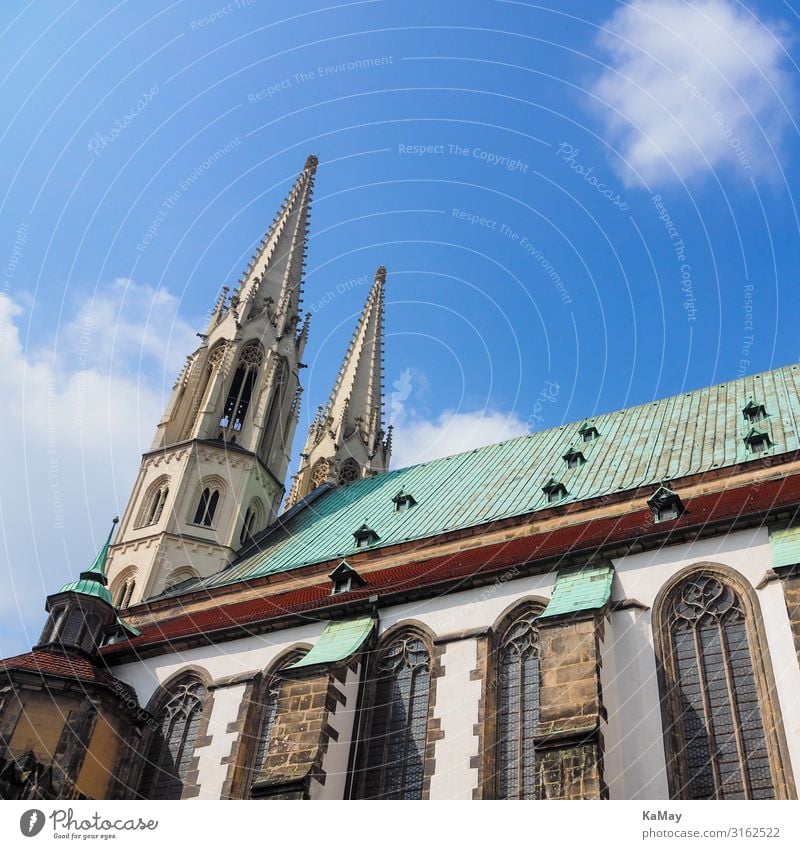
(582, 206)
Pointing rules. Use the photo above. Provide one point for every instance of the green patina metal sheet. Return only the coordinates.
(577, 590)
(339, 640)
(88, 587)
(637, 447)
(131, 629)
(785, 547)
(93, 581)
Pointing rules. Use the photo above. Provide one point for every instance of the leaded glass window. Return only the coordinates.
(518, 708)
(396, 739)
(173, 742)
(716, 719)
(269, 708)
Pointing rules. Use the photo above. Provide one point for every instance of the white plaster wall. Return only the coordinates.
(225, 709)
(457, 708)
(635, 765)
(251, 654)
(478, 608)
(337, 757)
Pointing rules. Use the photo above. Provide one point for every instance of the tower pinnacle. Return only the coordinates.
(346, 440)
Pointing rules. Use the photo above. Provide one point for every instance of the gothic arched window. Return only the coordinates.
(154, 503)
(206, 507)
(518, 681)
(277, 418)
(172, 744)
(349, 471)
(123, 587)
(251, 523)
(397, 733)
(266, 704)
(241, 390)
(716, 727)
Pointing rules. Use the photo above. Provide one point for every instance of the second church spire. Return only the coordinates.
(346, 440)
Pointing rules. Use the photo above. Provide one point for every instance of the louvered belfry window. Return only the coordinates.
(173, 742)
(395, 745)
(716, 718)
(518, 708)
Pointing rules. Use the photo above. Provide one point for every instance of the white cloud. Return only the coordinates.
(77, 414)
(692, 86)
(417, 440)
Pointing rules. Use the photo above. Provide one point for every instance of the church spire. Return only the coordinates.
(216, 469)
(272, 281)
(346, 440)
(356, 401)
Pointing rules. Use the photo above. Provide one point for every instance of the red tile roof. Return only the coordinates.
(451, 570)
(68, 665)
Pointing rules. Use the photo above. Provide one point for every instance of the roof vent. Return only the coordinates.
(588, 432)
(665, 504)
(754, 412)
(345, 578)
(365, 536)
(574, 458)
(554, 490)
(403, 501)
(757, 441)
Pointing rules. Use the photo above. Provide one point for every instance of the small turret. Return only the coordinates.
(81, 610)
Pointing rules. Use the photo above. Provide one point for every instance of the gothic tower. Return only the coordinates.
(215, 472)
(346, 440)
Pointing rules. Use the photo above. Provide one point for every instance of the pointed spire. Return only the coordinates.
(357, 396)
(273, 279)
(93, 581)
(347, 438)
(97, 571)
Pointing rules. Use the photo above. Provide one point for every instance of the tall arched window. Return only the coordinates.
(715, 714)
(154, 503)
(251, 523)
(123, 587)
(397, 732)
(276, 420)
(241, 390)
(172, 744)
(517, 693)
(266, 705)
(207, 506)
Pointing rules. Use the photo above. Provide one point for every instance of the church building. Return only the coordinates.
(609, 609)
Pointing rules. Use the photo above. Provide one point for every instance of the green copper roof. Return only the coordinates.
(338, 641)
(641, 446)
(577, 590)
(88, 587)
(93, 581)
(785, 547)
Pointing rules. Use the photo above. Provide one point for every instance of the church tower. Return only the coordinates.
(215, 473)
(346, 440)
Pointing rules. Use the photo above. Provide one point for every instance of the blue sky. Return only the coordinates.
(582, 206)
